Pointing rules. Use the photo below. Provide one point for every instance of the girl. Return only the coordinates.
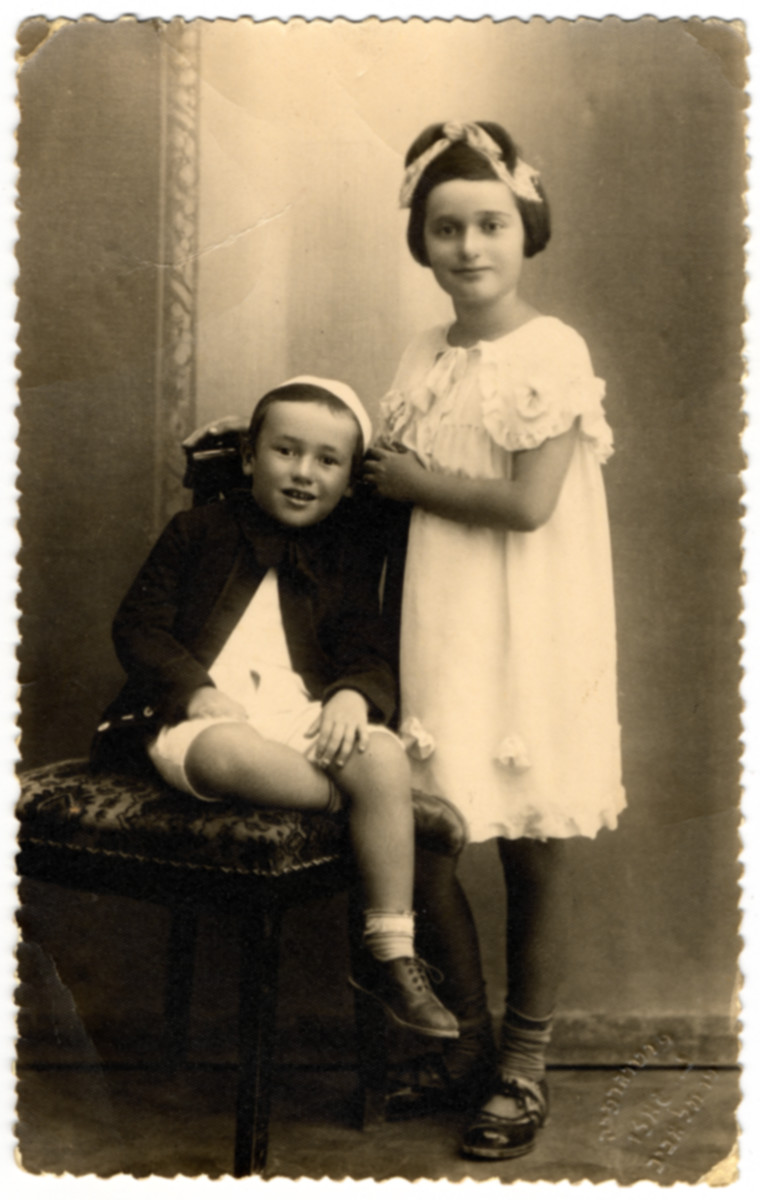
(494, 434)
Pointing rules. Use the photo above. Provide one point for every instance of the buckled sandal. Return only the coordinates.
(493, 1136)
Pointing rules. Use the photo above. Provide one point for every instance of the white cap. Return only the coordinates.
(342, 392)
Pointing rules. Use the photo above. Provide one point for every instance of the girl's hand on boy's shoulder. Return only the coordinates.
(230, 424)
(210, 702)
(395, 474)
(341, 726)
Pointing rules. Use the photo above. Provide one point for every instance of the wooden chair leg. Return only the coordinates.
(260, 944)
(179, 984)
(371, 1035)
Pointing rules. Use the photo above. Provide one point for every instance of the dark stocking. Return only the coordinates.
(539, 909)
(446, 934)
(539, 906)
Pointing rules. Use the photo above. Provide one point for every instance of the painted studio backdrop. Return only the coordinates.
(209, 209)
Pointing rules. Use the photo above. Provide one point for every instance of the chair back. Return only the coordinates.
(214, 466)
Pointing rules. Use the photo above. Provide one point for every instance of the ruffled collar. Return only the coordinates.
(440, 380)
(450, 362)
(488, 348)
(528, 391)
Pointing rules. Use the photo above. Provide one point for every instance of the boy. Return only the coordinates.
(252, 643)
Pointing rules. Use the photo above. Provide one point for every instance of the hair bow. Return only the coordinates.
(521, 182)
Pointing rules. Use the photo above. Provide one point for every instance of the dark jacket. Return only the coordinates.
(198, 581)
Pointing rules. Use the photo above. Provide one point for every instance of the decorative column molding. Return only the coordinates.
(177, 259)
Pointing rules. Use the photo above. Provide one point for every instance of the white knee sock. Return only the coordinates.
(389, 935)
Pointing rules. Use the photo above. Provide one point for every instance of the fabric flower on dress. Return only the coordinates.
(400, 408)
(395, 412)
(417, 741)
(521, 416)
(514, 753)
(405, 411)
(530, 403)
(594, 425)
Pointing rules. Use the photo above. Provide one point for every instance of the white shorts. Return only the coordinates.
(168, 751)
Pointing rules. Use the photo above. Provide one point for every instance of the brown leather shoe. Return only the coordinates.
(457, 1076)
(403, 988)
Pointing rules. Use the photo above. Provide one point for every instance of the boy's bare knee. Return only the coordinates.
(388, 751)
(383, 764)
(215, 756)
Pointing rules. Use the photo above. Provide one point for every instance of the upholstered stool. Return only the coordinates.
(136, 837)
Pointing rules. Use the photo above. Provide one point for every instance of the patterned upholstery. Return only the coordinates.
(68, 804)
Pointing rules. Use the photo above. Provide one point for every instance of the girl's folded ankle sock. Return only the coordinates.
(335, 799)
(389, 935)
(524, 1041)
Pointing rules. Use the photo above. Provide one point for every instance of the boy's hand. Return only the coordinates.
(230, 424)
(395, 474)
(210, 702)
(342, 725)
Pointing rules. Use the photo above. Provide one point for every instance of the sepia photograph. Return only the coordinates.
(380, 406)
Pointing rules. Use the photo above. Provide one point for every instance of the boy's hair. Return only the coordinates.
(461, 161)
(314, 395)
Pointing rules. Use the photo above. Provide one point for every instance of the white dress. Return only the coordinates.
(508, 655)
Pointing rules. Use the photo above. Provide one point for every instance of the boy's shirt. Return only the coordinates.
(199, 579)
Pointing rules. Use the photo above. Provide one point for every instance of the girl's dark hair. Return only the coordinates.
(460, 161)
(316, 395)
